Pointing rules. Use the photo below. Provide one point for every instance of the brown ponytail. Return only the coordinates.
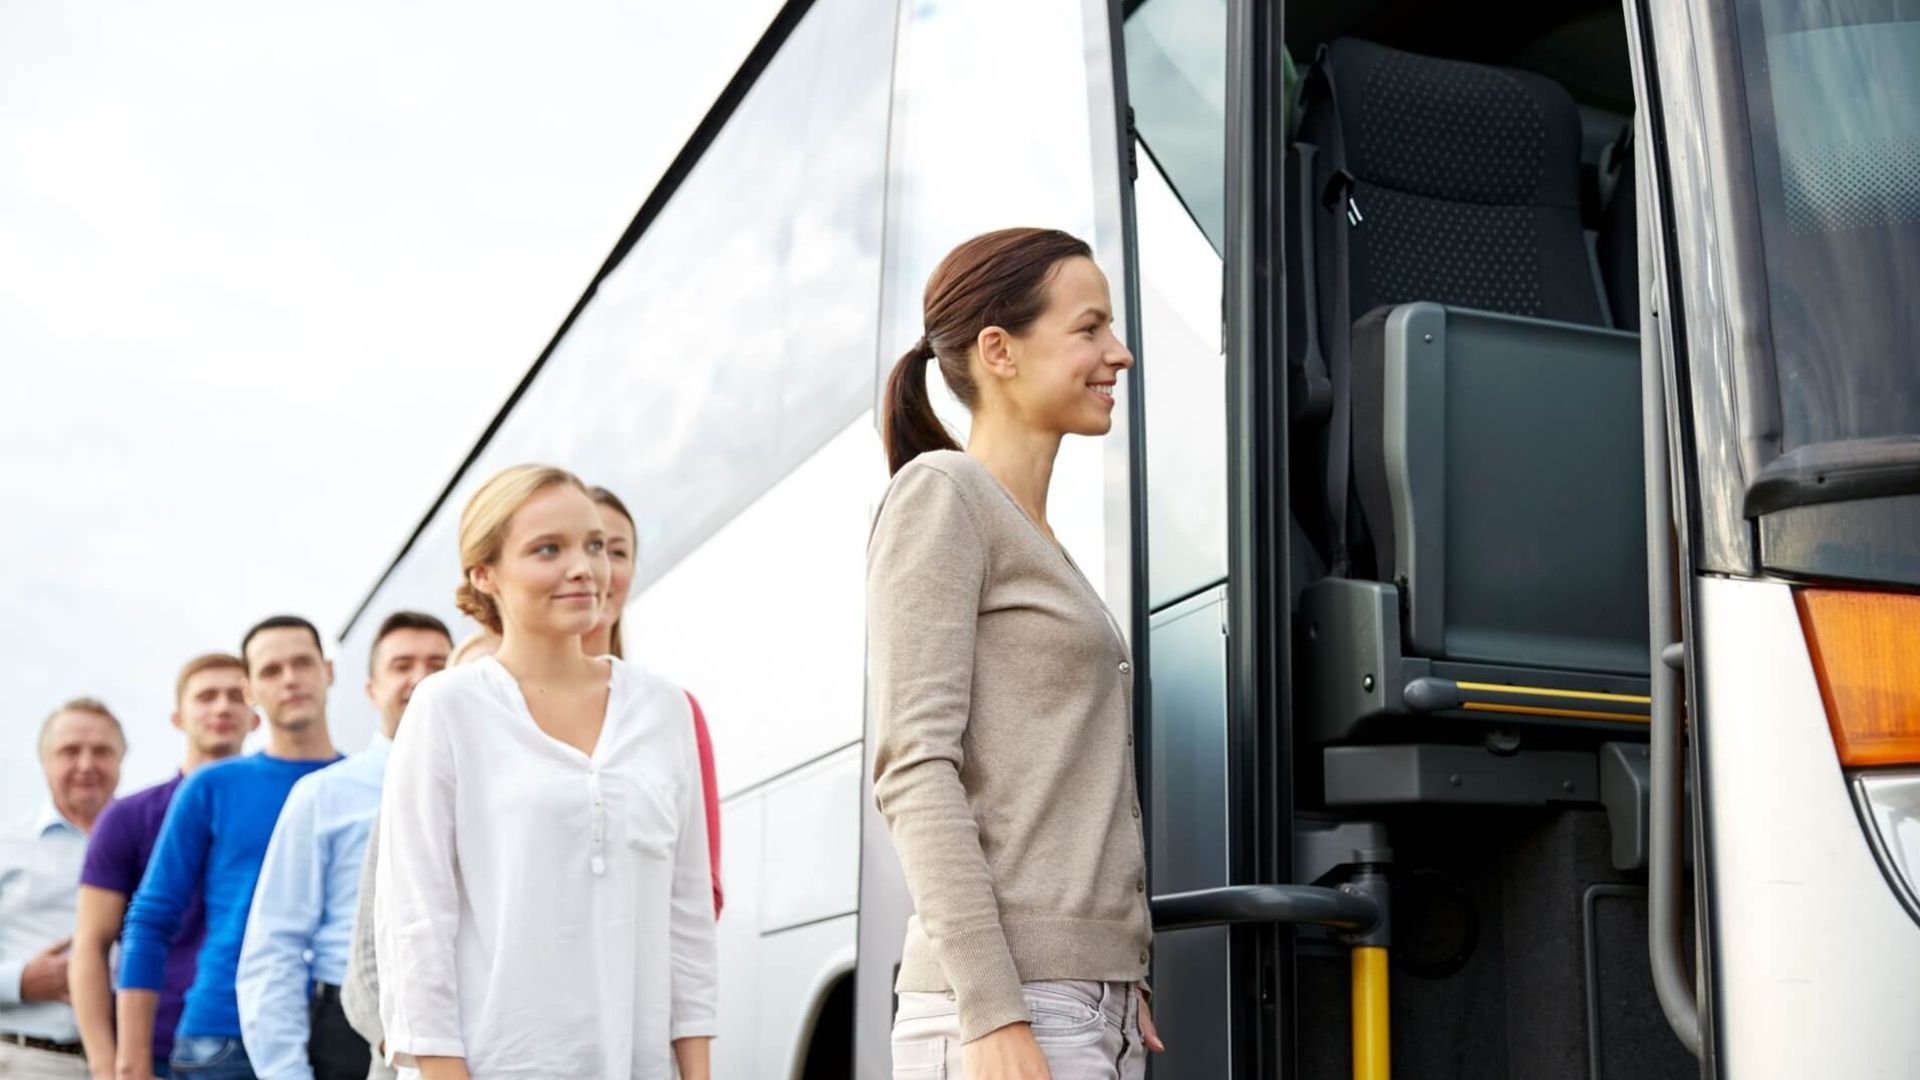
(995, 279)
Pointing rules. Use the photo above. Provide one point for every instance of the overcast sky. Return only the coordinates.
(266, 272)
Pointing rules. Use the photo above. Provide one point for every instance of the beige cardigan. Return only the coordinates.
(1003, 693)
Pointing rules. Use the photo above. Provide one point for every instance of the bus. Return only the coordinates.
(1514, 512)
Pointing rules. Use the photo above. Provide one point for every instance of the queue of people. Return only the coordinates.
(233, 891)
(519, 878)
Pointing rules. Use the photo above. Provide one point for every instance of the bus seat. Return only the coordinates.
(1483, 513)
(1497, 461)
(1460, 183)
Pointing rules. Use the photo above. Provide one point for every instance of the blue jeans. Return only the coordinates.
(210, 1057)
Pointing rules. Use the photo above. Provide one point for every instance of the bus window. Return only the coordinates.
(1833, 104)
(1177, 85)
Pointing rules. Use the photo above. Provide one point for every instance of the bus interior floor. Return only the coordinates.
(1519, 952)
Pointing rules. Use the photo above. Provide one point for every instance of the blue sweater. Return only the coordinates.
(212, 842)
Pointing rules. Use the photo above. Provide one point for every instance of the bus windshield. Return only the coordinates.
(1833, 100)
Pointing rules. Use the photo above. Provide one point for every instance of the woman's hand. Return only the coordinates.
(1149, 1033)
(442, 1068)
(694, 1057)
(1008, 1053)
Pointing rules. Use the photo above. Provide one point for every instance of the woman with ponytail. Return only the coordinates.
(543, 906)
(1003, 687)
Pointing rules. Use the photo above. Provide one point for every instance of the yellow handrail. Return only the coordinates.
(1372, 1052)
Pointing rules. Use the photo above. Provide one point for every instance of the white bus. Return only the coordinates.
(1514, 509)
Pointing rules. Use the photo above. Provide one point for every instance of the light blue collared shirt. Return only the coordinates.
(300, 930)
(39, 887)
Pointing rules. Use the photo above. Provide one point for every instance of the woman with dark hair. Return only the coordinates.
(623, 549)
(1003, 687)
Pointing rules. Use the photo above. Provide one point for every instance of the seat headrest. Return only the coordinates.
(1453, 130)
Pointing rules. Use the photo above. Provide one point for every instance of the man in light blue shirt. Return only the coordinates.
(300, 930)
(81, 746)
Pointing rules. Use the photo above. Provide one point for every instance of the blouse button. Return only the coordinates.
(599, 865)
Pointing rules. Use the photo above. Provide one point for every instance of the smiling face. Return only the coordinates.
(552, 570)
(1058, 375)
(400, 660)
(80, 753)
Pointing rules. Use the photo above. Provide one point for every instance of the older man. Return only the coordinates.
(81, 745)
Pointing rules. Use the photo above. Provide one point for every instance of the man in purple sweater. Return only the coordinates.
(211, 710)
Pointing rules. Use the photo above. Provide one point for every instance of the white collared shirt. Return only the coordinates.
(539, 911)
(39, 889)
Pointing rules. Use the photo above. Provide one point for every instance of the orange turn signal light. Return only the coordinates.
(1866, 653)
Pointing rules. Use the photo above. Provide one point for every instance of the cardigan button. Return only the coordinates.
(1125, 667)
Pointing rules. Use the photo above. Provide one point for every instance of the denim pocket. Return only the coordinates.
(202, 1051)
(1062, 1015)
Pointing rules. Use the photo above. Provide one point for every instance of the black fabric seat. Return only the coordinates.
(1466, 180)
(1436, 181)
(1482, 444)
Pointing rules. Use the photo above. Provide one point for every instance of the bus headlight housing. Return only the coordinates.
(1865, 648)
(1890, 804)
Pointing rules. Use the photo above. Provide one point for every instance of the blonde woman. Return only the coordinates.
(1003, 688)
(542, 905)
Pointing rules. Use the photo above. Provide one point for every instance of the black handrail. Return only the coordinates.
(1354, 912)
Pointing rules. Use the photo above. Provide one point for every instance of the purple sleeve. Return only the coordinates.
(113, 852)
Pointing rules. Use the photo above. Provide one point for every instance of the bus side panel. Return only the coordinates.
(763, 623)
(1187, 831)
(1814, 956)
(738, 1051)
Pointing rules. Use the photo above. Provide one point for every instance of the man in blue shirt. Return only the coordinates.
(300, 932)
(212, 841)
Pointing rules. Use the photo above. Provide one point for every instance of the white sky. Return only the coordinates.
(266, 271)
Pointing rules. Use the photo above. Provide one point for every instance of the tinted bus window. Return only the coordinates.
(1833, 97)
(1177, 86)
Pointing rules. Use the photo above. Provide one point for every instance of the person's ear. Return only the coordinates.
(995, 349)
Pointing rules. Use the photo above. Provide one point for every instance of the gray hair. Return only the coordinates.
(86, 705)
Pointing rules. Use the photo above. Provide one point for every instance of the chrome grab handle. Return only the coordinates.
(1666, 940)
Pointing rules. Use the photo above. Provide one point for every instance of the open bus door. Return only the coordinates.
(1410, 713)
(1208, 87)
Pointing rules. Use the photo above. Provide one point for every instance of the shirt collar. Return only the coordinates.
(378, 747)
(51, 819)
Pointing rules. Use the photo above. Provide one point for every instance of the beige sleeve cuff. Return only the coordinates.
(986, 985)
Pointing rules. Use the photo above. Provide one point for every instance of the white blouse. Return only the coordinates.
(538, 911)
